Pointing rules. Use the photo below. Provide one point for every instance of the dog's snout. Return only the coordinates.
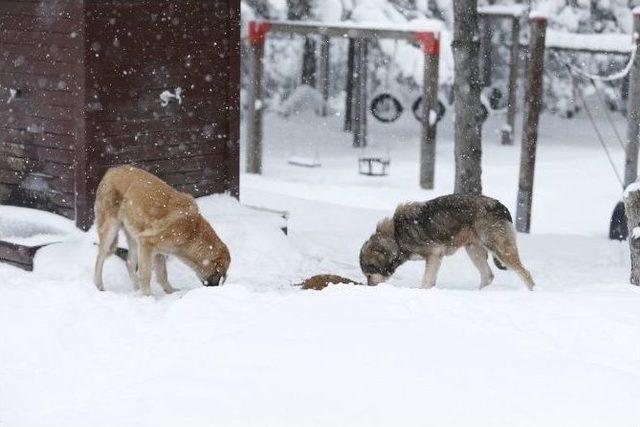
(215, 280)
(375, 279)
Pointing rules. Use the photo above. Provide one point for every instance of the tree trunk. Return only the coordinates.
(632, 209)
(303, 10)
(534, 81)
(468, 121)
(261, 7)
(633, 114)
(348, 111)
(309, 62)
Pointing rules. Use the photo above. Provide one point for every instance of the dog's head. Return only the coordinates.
(212, 255)
(380, 256)
(216, 267)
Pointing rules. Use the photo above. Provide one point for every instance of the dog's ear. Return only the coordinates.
(385, 227)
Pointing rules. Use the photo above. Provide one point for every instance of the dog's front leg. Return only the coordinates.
(145, 255)
(432, 265)
(160, 265)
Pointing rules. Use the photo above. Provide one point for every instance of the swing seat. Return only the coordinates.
(304, 162)
(373, 166)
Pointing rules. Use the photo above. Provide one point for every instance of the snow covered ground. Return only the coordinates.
(260, 352)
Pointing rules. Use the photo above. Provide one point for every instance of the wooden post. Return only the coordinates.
(348, 115)
(364, 81)
(324, 73)
(355, 93)
(360, 136)
(632, 210)
(431, 49)
(485, 49)
(507, 131)
(257, 36)
(533, 97)
(633, 112)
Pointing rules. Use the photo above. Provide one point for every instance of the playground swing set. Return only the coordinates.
(426, 34)
(387, 108)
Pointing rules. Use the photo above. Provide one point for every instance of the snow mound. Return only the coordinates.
(32, 227)
(255, 240)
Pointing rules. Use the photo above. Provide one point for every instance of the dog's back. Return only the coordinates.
(130, 193)
(447, 220)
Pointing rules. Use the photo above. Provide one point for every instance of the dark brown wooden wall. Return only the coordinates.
(91, 74)
(41, 57)
(137, 50)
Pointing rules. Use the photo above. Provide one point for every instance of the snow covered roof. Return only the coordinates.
(609, 42)
(513, 10)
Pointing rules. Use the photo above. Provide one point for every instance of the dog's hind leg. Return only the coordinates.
(145, 255)
(132, 260)
(501, 241)
(432, 265)
(478, 256)
(160, 265)
(108, 236)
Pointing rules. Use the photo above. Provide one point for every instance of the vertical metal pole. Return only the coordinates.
(633, 112)
(507, 131)
(257, 35)
(429, 108)
(324, 73)
(362, 93)
(533, 96)
(355, 96)
(485, 49)
(348, 110)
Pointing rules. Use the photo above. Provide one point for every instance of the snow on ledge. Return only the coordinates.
(32, 227)
(610, 42)
(418, 25)
(631, 188)
(514, 10)
(538, 14)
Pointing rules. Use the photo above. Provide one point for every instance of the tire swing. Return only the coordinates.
(385, 107)
(417, 110)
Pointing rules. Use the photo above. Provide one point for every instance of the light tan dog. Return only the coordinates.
(157, 221)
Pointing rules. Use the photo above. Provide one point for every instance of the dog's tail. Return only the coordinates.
(503, 214)
(498, 263)
(501, 211)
